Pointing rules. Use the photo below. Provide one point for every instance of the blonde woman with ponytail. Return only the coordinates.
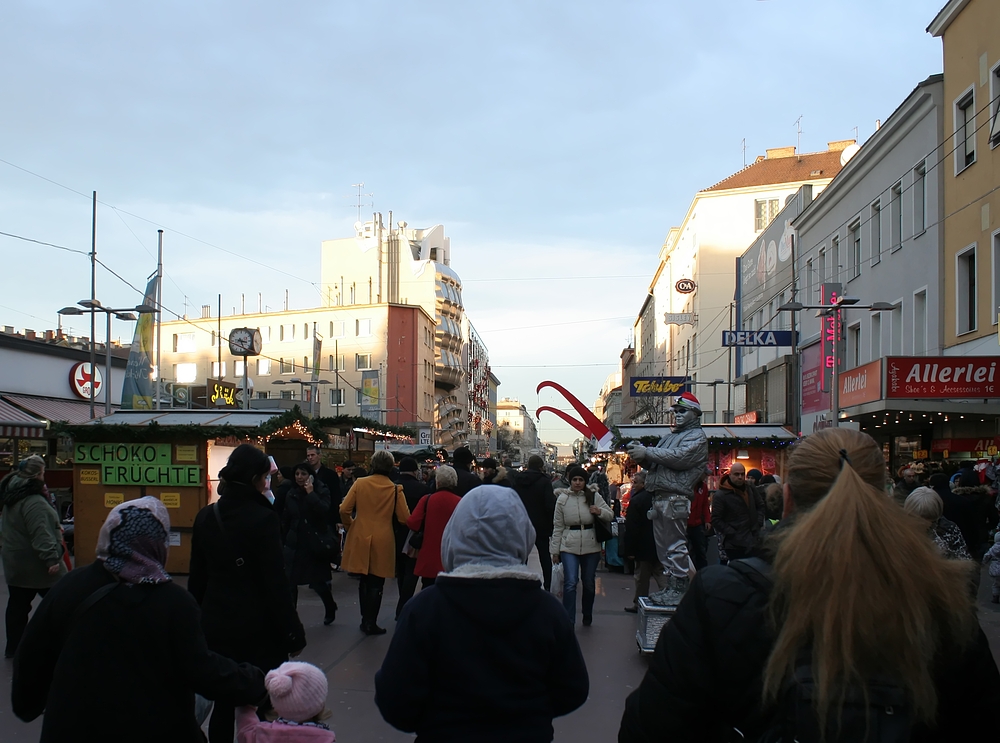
(853, 581)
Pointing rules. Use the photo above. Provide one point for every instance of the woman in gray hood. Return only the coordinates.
(484, 654)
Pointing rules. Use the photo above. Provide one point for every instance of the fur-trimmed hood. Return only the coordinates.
(592, 487)
(977, 490)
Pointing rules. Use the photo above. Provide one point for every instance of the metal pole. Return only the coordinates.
(159, 312)
(93, 299)
(246, 391)
(715, 408)
(336, 363)
(835, 392)
(107, 367)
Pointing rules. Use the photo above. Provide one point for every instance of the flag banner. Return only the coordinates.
(137, 390)
(370, 394)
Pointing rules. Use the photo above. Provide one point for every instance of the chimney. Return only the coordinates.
(8, 329)
(29, 334)
(779, 152)
(50, 335)
(206, 310)
(840, 145)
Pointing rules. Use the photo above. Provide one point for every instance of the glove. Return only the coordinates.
(637, 452)
(652, 514)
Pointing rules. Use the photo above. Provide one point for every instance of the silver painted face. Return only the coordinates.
(683, 417)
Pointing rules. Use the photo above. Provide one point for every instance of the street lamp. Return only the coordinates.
(714, 384)
(303, 383)
(92, 306)
(841, 304)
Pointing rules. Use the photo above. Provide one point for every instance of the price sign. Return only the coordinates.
(171, 500)
(90, 477)
(113, 499)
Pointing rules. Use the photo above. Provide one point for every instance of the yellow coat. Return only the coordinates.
(370, 548)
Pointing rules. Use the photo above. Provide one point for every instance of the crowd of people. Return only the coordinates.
(827, 586)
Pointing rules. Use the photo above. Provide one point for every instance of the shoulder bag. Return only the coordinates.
(601, 530)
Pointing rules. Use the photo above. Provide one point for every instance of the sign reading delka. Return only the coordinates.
(921, 377)
(660, 386)
(759, 338)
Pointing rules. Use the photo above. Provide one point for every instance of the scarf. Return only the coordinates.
(133, 542)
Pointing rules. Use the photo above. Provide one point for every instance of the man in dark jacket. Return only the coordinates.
(413, 490)
(467, 479)
(737, 514)
(484, 654)
(495, 474)
(325, 475)
(539, 500)
(639, 542)
(700, 525)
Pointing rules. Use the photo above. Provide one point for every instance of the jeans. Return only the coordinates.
(698, 546)
(18, 608)
(545, 560)
(584, 566)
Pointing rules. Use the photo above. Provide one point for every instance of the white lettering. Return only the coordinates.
(945, 374)
(914, 375)
(980, 375)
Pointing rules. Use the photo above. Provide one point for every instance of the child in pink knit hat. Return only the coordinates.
(298, 694)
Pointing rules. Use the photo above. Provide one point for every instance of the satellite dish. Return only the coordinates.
(850, 151)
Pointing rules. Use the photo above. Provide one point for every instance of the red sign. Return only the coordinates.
(964, 445)
(830, 333)
(81, 377)
(814, 399)
(861, 384)
(923, 377)
(751, 416)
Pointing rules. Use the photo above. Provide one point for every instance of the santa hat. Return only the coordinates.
(687, 401)
(298, 690)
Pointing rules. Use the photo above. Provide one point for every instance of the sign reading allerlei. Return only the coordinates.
(922, 377)
(861, 384)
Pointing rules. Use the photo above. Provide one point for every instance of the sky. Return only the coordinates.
(556, 141)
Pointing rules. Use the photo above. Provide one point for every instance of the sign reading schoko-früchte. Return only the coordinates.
(960, 376)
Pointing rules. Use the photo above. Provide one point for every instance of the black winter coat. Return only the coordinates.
(467, 480)
(247, 610)
(737, 523)
(491, 660)
(127, 669)
(304, 512)
(639, 541)
(331, 479)
(413, 490)
(539, 500)
(716, 647)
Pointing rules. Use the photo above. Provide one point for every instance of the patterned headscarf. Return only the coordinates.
(134, 540)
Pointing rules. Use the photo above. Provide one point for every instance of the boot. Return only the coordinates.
(673, 593)
(329, 605)
(369, 611)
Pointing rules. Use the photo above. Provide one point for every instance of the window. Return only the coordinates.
(920, 323)
(362, 361)
(835, 260)
(238, 368)
(965, 131)
(333, 366)
(286, 395)
(363, 328)
(809, 282)
(266, 334)
(336, 397)
(337, 330)
(305, 330)
(876, 232)
(896, 329)
(965, 280)
(995, 107)
(855, 239)
(218, 370)
(876, 344)
(853, 346)
(261, 395)
(185, 373)
(306, 366)
(764, 210)
(919, 199)
(286, 332)
(263, 367)
(360, 397)
(286, 366)
(184, 342)
(215, 339)
(995, 309)
(896, 212)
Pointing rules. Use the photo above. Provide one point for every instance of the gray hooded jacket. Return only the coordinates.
(489, 528)
(676, 464)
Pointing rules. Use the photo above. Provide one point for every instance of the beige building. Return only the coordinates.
(970, 34)
(517, 434)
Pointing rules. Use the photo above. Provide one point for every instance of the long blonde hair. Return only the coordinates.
(858, 582)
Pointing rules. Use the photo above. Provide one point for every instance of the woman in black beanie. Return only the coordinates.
(238, 579)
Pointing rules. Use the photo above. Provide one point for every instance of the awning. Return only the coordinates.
(55, 409)
(717, 432)
(15, 422)
(208, 418)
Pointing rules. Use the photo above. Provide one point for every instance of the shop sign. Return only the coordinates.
(685, 286)
(920, 454)
(176, 475)
(921, 377)
(751, 416)
(657, 386)
(678, 318)
(861, 384)
(80, 377)
(340, 442)
(814, 397)
(759, 338)
(982, 444)
(830, 332)
(122, 454)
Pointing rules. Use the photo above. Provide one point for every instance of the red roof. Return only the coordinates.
(774, 170)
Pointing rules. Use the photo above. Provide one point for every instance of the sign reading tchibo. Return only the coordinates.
(137, 464)
(647, 386)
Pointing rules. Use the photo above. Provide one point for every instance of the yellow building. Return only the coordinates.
(970, 34)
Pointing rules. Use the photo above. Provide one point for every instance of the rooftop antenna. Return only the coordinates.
(361, 196)
(798, 138)
(855, 134)
(744, 152)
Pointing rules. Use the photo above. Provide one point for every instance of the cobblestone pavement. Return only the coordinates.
(350, 660)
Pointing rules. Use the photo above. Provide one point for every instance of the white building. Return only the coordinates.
(517, 427)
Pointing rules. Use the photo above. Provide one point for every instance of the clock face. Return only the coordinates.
(241, 342)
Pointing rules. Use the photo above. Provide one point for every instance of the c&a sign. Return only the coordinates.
(659, 386)
(923, 377)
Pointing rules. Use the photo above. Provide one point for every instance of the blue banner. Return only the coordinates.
(137, 390)
(759, 338)
(657, 386)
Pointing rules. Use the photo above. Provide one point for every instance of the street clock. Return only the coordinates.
(244, 342)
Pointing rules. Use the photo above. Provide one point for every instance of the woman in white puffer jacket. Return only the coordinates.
(574, 542)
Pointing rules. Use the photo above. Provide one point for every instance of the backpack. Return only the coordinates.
(885, 717)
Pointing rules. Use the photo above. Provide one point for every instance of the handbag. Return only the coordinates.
(601, 530)
(320, 543)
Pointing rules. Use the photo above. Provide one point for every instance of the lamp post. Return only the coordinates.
(841, 304)
(303, 383)
(714, 384)
(90, 307)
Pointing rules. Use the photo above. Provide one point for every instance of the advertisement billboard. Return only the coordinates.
(814, 399)
(657, 386)
(922, 377)
(861, 384)
(370, 394)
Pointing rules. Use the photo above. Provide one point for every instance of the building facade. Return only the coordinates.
(517, 434)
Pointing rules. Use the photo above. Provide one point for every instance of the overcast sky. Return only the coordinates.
(555, 141)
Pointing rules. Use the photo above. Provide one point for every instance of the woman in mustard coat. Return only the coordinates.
(370, 549)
